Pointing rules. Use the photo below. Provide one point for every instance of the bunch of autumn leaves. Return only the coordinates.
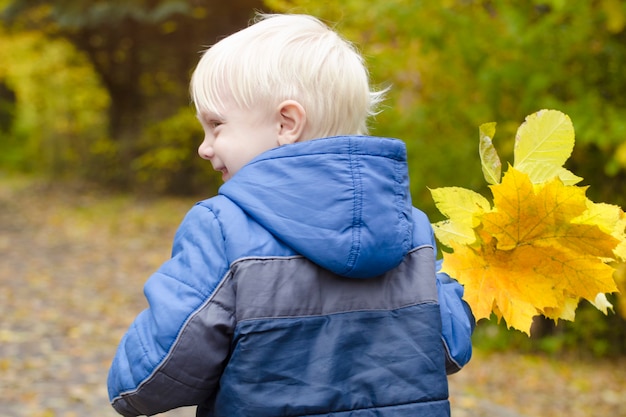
(542, 246)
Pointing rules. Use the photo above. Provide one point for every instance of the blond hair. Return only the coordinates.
(289, 57)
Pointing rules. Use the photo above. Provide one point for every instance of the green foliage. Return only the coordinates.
(169, 162)
(59, 105)
(58, 125)
(142, 50)
(79, 13)
(134, 57)
(454, 65)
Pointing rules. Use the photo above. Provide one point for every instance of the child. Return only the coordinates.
(308, 286)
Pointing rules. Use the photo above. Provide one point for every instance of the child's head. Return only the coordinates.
(288, 57)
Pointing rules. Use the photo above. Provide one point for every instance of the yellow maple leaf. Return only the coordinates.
(526, 281)
(542, 245)
(609, 218)
(542, 216)
(502, 282)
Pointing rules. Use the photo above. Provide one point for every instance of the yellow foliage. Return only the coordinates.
(464, 204)
(543, 245)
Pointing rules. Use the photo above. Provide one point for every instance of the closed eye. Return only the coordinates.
(209, 122)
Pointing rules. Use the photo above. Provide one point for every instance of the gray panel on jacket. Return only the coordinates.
(294, 287)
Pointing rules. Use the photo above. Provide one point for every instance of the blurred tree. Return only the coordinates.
(7, 107)
(142, 50)
(54, 107)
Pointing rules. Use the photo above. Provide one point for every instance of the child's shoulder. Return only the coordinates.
(243, 235)
(219, 208)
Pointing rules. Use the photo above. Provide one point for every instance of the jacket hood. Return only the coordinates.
(342, 202)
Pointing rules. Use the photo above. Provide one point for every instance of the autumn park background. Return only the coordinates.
(98, 165)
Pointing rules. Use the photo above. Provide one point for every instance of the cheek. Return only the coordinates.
(233, 155)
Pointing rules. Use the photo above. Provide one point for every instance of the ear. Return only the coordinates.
(292, 118)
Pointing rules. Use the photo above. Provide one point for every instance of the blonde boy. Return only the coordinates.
(308, 286)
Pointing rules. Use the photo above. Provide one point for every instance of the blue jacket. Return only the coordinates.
(307, 287)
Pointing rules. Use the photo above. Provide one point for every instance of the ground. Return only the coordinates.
(74, 261)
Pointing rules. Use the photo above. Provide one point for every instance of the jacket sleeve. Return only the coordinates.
(174, 352)
(456, 316)
(457, 320)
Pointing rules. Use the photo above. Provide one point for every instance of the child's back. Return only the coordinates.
(307, 287)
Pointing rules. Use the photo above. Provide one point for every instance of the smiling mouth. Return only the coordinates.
(224, 172)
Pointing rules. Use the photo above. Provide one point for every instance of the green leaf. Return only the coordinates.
(490, 162)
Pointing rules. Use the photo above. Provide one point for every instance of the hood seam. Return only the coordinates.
(401, 195)
(357, 183)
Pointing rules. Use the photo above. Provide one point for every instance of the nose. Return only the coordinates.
(205, 150)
